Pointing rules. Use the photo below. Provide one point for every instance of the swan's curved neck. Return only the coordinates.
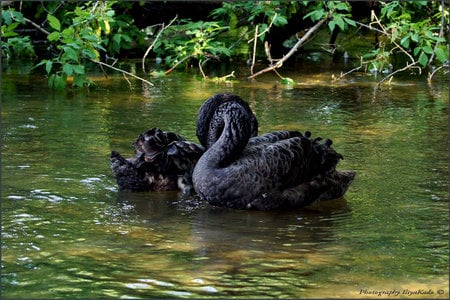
(233, 122)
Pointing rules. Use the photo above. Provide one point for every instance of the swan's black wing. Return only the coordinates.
(273, 137)
(292, 157)
(323, 187)
(289, 172)
(153, 144)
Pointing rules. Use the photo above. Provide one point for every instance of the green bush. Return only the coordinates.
(13, 45)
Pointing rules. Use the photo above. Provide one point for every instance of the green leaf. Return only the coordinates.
(51, 81)
(60, 82)
(427, 49)
(287, 80)
(67, 68)
(405, 41)
(69, 32)
(349, 21)
(69, 55)
(423, 59)
(78, 69)
(315, 15)
(371, 54)
(6, 33)
(18, 16)
(89, 54)
(417, 50)
(342, 6)
(48, 66)
(331, 25)
(90, 37)
(441, 55)
(54, 22)
(53, 36)
(429, 34)
(12, 26)
(280, 21)
(6, 16)
(340, 22)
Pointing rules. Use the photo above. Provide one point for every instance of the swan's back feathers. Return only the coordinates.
(273, 137)
(184, 154)
(154, 142)
(302, 155)
(321, 188)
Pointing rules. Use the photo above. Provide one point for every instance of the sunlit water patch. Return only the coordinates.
(67, 232)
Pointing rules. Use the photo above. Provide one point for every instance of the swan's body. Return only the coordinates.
(283, 169)
(163, 161)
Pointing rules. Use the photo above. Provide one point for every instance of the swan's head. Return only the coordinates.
(209, 127)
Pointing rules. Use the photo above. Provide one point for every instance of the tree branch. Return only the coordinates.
(37, 26)
(257, 35)
(154, 42)
(441, 33)
(176, 65)
(122, 71)
(408, 66)
(254, 50)
(431, 74)
(299, 43)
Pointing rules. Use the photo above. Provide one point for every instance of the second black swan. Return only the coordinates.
(279, 170)
(163, 161)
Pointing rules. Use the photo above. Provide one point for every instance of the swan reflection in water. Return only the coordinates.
(233, 167)
(228, 236)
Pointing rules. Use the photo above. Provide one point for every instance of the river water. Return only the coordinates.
(67, 232)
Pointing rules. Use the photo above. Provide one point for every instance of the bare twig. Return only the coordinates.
(394, 42)
(431, 74)
(163, 27)
(299, 43)
(254, 50)
(390, 76)
(369, 27)
(346, 73)
(264, 31)
(279, 75)
(441, 33)
(226, 76)
(37, 26)
(122, 71)
(94, 7)
(201, 69)
(129, 83)
(176, 65)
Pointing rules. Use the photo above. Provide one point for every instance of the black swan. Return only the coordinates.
(278, 170)
(163, 161)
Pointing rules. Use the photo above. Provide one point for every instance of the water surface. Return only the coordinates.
(67, 232)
